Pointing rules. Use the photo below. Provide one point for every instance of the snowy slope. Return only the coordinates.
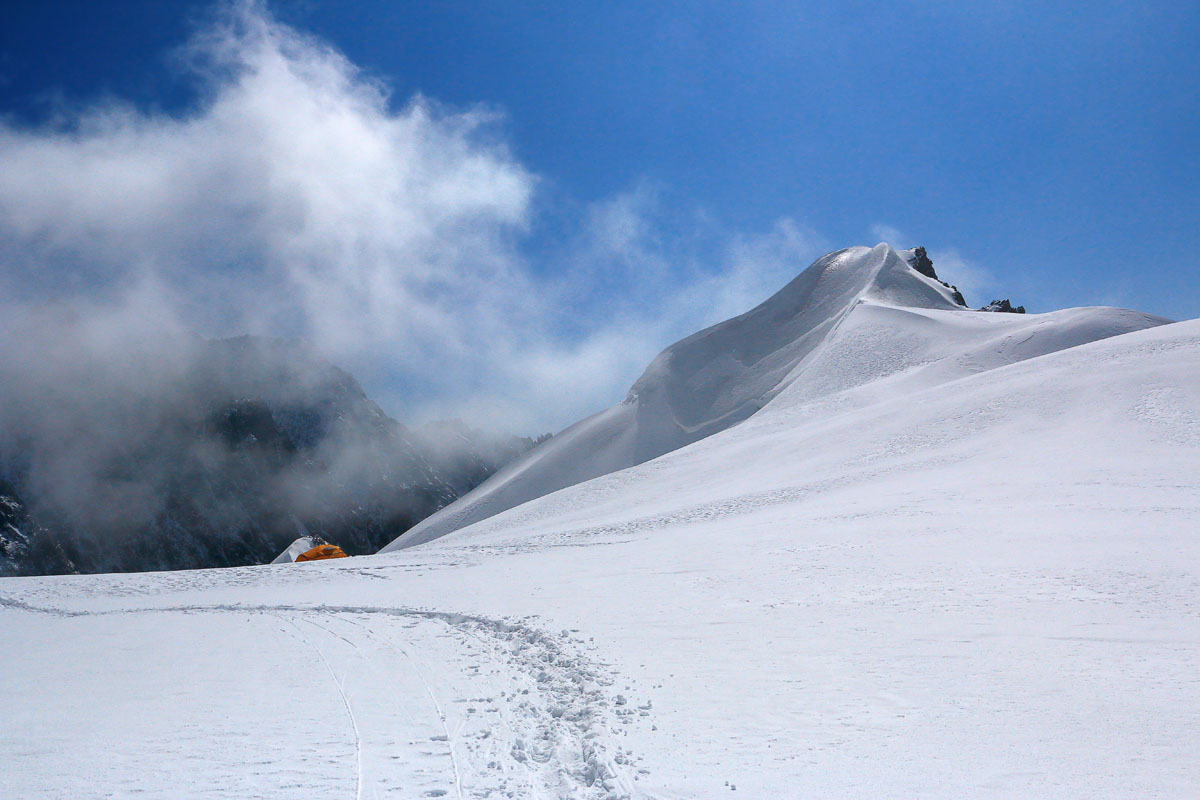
(855, 315)
(890, 582)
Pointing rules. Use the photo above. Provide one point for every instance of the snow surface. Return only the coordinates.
(921, 570)
(853, 317)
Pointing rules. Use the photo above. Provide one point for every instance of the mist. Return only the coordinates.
(299, 199)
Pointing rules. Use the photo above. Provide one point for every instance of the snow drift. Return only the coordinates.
(853, 317)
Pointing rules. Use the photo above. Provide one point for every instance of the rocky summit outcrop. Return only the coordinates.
(922, 263)
(1003, 307)
(248, 444)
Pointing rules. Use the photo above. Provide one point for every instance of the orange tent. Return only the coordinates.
(320, 552)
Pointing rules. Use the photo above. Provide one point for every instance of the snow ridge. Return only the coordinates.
(852, 317)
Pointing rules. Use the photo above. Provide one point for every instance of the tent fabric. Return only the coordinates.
(320, 552)
(294, 549)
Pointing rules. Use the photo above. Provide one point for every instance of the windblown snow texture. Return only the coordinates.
(813, 333)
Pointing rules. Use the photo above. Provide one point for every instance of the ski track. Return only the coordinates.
(437, 706)
(549, 733)
(982, 586)
(358, 772)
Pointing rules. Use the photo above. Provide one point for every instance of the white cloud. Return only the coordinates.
(298, 199)
(638, 277)
(886, 233)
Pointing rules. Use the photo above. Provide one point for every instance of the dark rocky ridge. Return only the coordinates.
(1003, 307)
(923, 264)
(248, 445)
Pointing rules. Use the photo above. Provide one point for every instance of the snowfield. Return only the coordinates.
(955, 554)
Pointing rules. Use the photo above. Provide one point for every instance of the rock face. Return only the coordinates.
(1004, 307)
(255, 440)
(922, 263)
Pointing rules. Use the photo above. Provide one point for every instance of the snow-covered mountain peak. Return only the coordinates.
(897, 282)
(836, 282)
(952, 555)
(857, 325)
(725, 373)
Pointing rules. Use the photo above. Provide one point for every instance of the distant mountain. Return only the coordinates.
(227, 452)
(852, 317)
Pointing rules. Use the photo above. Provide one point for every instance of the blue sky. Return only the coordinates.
(1047, 151)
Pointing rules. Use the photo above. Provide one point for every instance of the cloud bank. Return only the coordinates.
(299, 198)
